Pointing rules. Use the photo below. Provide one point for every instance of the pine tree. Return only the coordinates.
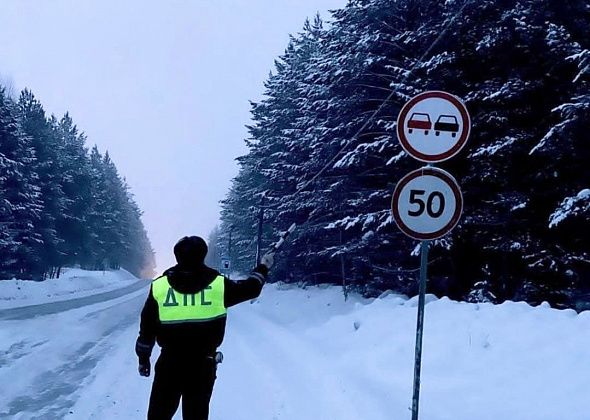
(20, 205)
(98, 207)
(213, 258)
(117, 237)
(73, 166)
(47, 165)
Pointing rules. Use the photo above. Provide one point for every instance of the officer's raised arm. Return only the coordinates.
(243, 290)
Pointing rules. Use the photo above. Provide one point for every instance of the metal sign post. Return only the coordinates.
(427, 203)
(420, 327)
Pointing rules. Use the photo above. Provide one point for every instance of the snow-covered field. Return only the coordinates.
(300, 354)
(73, 282)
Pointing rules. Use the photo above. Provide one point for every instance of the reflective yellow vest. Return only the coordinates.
(177, 308)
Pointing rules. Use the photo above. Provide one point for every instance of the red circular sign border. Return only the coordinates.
(441, 156)
(438, 173)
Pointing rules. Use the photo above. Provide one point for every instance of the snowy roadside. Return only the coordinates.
(480, 361)
(306, 354)
(73, 283)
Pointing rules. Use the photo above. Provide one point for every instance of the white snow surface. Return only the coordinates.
(305, 354)
(72, 283)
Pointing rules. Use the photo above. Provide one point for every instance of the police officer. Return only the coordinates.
(185, 313)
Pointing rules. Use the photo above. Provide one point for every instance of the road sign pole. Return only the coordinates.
(420, 327)
(427, 203)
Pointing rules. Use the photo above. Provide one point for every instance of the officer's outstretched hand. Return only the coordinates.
(145, 367)
(268, 260)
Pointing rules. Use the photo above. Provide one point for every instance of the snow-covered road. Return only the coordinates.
(80, 364)
(46, 362)
(33, 311)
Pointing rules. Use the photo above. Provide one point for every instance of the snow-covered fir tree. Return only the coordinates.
(47, 165)
(20, 205)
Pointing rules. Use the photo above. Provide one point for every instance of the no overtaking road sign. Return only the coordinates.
(433, 126)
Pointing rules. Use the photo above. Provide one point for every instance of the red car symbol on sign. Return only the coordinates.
(419, 121)
(446, 123)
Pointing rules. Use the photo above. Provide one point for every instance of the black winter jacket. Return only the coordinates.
(194, 339)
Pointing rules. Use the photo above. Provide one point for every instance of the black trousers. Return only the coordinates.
(179, 376)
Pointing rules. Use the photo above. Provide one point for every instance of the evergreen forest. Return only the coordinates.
(522, 67)
(62, 205)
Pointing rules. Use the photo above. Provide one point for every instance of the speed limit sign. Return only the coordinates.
(427, 203)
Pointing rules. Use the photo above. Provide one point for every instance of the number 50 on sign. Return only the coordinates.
(427, 203)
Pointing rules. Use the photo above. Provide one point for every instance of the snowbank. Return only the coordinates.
(480, 361)
(73, 283)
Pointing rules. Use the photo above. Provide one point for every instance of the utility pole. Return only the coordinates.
(231, 228)
(344, 289)
(260, 222)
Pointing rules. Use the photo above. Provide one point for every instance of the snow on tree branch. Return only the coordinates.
(571, 206)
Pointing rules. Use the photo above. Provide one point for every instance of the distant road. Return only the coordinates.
(32, 311)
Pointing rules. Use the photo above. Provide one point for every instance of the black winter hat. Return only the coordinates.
(190, 251)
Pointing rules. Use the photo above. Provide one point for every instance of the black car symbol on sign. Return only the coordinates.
(419, 121)
(446, 123)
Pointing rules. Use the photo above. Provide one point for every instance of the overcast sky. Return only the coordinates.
(162, 85)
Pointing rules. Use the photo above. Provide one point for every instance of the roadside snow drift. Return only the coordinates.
(72, 283)
(312, 356)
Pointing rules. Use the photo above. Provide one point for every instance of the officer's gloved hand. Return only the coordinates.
(145, 367)
(268, 260)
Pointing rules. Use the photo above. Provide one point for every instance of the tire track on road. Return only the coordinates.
(32, 311)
